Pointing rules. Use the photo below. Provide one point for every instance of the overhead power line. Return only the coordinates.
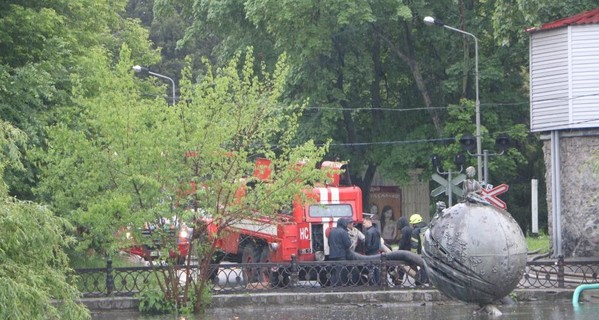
(489, 104)
(395, 142)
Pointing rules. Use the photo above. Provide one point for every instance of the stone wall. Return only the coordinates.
(579, 153)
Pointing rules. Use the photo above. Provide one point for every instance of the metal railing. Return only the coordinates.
(297, 276)
(560, 273)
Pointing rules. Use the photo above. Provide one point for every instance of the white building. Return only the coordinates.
(564, 109)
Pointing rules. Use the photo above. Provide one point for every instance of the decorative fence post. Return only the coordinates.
(560, 271)
(109, 276)
(384, 271)
(294, 271)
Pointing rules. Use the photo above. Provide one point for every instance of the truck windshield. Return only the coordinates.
(330, 210)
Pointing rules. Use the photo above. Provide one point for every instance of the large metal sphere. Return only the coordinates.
(475, 252)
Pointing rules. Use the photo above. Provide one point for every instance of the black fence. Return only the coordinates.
(560, 273)
(313, 276)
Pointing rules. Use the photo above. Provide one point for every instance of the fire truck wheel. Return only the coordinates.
(276, 277)
(264, 258)
(249, 255)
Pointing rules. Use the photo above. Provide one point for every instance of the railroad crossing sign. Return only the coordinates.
(445, 185)
(491, 195)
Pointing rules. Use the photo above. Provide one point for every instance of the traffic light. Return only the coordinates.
(468, 142)
(436, 160)
(503, 142)
(459, 159)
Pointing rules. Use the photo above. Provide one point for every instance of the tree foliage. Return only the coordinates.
(129, 160)
(382, 85)
(369, 76)
(359, 82)
(35, 279)
(44, 43)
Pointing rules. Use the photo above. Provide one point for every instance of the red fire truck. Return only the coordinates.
(301, 231)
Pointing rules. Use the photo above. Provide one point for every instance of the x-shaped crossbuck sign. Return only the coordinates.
(491, 195)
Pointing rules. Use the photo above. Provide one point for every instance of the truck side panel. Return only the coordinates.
(289, 241)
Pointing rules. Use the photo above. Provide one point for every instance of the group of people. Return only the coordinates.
(406, 233)
(345, 239)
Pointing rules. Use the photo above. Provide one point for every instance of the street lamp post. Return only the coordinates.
(436, 22)
(143, 70)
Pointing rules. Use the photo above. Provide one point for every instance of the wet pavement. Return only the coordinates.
(542, 310)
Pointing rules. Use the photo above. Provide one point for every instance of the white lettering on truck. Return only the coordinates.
(304, 233)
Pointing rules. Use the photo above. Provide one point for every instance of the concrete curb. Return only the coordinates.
(111, 303)
(328, 298)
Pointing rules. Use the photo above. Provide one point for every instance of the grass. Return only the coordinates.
(540, 242)
(81, 260)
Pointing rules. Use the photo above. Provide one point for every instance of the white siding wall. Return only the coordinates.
(585, 76)
(564, 78)
(549, 79)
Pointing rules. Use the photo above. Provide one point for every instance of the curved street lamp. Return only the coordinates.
(144, 70)
(436, 22)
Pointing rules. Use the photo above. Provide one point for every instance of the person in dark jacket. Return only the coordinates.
(372, 238)
(340, 249)
(372, 244)
(339, 242)
(405, 243)
(405, 231)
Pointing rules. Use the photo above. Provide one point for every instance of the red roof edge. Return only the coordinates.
(587, 17)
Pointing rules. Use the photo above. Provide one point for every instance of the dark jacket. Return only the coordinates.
(372, 241)
(339, 242)
(405, 231)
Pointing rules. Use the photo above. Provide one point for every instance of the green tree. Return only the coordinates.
(511, 17)
(344, 59)
(166, 26)
(382, 85)
(130, 160)
(43, 43)
(33, 265)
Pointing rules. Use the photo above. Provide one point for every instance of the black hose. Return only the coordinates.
(397, 255)
(408, 257)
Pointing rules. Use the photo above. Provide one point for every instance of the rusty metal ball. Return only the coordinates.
(475, 252)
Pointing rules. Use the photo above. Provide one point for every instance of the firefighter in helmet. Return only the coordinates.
(418, 229)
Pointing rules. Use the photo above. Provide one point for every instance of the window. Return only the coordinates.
(330, 210)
